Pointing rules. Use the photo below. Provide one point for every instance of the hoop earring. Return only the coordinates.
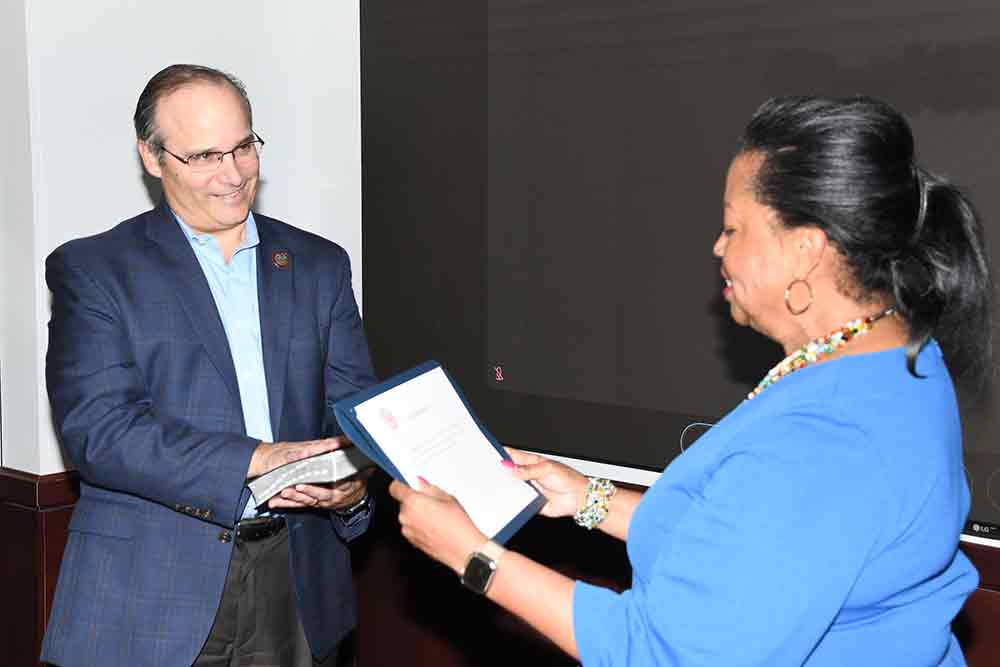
(788, 293)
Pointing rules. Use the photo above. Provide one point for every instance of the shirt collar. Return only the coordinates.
(250, 237)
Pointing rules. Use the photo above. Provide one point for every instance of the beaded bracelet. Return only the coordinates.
(595, 503)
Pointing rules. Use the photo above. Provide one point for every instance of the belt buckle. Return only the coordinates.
(259, 528)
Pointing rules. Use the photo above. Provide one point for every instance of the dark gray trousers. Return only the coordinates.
(258, 623)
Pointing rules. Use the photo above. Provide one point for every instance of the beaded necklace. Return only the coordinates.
(819, 348)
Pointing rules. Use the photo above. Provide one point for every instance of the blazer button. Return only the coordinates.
(225, 537)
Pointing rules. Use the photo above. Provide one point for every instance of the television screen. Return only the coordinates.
(543, 186)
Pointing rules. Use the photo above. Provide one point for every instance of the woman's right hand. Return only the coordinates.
(564, 487)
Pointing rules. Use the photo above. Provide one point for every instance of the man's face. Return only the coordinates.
(195, 119)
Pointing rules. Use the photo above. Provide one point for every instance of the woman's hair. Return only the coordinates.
(846, 166)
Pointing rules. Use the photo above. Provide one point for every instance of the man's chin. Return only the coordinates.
(232, 215)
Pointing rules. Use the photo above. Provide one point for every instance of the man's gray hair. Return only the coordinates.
(167, 81)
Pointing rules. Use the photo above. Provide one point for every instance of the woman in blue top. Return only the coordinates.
(872, 274)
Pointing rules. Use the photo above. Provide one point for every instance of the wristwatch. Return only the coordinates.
(481, 567)
(355, 509)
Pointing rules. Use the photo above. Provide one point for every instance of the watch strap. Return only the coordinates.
(355, 509)
(492, 550)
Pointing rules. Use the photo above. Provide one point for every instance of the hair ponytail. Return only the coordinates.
(846, 166)
(942, 283)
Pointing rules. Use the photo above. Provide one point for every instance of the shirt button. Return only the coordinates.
(225, 537)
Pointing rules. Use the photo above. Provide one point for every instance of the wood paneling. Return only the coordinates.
(977, 623)
(34, 519)
(976, 628)
(432, 620)
(987, 561)
(412, 611)
(21, 609)
(40, 492)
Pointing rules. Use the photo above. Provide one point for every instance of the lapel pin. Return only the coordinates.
(281, 259)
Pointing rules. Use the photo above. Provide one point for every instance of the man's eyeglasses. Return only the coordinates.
(247, 153)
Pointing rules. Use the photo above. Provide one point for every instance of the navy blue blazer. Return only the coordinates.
(145, 401)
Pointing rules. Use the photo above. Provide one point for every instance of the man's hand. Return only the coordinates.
(271, 455)
(339, 495)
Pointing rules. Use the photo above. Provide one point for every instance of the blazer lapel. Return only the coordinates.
(193, 292)
(276, 294)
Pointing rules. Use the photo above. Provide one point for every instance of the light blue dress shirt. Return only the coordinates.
(234, 288)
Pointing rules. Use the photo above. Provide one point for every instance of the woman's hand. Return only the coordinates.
(436, 523)
(564, 487)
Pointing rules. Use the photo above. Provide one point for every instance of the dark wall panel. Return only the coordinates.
(543, 181)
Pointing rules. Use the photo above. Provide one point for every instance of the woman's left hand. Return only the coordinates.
(434, 522)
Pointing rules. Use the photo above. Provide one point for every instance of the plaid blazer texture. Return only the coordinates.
(146, 404)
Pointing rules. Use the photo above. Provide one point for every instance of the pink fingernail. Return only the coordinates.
(422, 480)
(507, 463)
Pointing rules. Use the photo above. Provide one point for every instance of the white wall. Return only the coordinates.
(86, 64)
(19, 326)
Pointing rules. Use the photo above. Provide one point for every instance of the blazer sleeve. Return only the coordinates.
(348, 369)
(106, 419)
(348, 366)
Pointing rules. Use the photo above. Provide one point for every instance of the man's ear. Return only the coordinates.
(149, 159)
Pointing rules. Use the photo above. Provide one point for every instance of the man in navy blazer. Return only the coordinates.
(191, 348)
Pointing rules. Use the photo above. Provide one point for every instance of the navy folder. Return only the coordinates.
(345, 412)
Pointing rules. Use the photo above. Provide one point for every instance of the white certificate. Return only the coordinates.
(423, 428)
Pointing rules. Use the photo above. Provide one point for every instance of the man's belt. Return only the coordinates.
(259, 528)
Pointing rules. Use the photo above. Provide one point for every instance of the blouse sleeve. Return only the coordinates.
(757, 568)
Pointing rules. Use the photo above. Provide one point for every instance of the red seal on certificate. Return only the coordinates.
(388, 418)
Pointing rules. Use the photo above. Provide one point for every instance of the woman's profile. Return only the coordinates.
(817, 523)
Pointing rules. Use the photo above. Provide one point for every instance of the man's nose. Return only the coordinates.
(229, 172)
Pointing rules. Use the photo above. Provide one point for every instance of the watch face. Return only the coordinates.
(478, 572)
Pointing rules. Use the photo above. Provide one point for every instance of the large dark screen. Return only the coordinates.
(543, 188)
